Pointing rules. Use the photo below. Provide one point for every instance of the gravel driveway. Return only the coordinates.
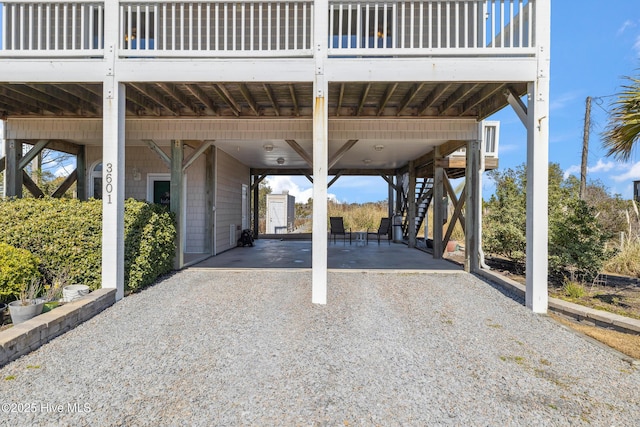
(207, 347)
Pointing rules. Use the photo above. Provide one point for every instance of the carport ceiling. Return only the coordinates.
(418, 99)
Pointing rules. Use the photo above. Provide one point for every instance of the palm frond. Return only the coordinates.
(623, 129)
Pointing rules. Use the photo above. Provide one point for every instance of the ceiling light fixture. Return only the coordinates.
(268, 148)
(378, 147)
(366, 161)
(280, 160)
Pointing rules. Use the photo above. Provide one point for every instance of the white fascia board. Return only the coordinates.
(48, 71)
(222, 70)
(433, 70)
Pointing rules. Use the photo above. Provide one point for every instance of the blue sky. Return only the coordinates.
(595, 43)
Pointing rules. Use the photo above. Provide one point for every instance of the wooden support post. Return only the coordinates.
(13, 174)
(473, 196)
(113, 186)
(209, 187)
(177, 196)
(81, 170)
(390, 204)
(399, 194)
(411, 205)
(438, 211)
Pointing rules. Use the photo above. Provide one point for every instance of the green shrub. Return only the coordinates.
(18, 267)
(627, 261)
(149, 243)
(66, 235)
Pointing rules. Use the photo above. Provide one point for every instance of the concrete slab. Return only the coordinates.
(267, 253)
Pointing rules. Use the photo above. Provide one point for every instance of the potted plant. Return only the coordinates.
(28, 305)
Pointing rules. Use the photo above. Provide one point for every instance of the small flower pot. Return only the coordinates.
(21, 313)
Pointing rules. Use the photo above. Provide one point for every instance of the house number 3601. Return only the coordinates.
(108, 179)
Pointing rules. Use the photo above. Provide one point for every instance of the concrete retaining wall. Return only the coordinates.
(28, 336)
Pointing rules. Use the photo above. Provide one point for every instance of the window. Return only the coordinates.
(95, 180)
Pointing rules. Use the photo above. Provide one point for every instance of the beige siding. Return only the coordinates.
(146, 162)
(162, 130)
(230, 175)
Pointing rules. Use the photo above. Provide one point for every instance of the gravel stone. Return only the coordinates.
(212, 347)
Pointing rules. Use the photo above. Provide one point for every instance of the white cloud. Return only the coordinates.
(563, 100)
(626, 25)
(279, 184)
(630, 172)
(571, 170)
(600, 166)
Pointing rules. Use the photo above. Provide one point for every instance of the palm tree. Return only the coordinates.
(623, 129)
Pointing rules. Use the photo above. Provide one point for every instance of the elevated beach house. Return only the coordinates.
(193, 103)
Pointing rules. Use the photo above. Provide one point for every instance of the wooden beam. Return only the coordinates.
(294, 99)
(340, 99)
(334, 179)
(31, 186)
(66, 184)
(174, 93)
(363, 98)
(222, 91)
(389, 181)
(64, 146)
(197, 153)
(487, 92)
(269, 91)
(140, 100)
(3, 163)
(456, 217)
(244, 90)
(197, 92)
(433, 97)
(516, 103)
(10, 93)
(257, 180)
(456, 96)
(386, 97)
(63, 99)
(301, 152)
(413, 92)
(31, 154)
(156, 149)
(341, 152)
(150, 93)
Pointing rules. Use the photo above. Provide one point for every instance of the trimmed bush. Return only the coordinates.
(18, 267)
(149, 243)
(67, 237)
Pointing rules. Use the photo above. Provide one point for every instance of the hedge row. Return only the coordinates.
(18, 267)
(66, 235)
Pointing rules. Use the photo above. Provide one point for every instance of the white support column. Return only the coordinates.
(472, 211)
(113, 187)
(438, 209)
(537, 169)
(320, 155)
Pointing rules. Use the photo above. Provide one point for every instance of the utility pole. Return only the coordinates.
(585, 149)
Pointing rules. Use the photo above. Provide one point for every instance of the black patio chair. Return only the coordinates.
(385, 228)
(337, 229)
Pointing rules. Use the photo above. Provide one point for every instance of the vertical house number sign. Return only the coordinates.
(108, 179)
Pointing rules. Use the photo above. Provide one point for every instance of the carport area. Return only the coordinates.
(272, 253)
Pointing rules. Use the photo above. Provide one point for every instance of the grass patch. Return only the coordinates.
(625, 343)
(10, 378)
(573, 289)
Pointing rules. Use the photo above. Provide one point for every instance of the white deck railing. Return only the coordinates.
(216, 28)
(244, 28)
(52, 28)
(431, 27)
